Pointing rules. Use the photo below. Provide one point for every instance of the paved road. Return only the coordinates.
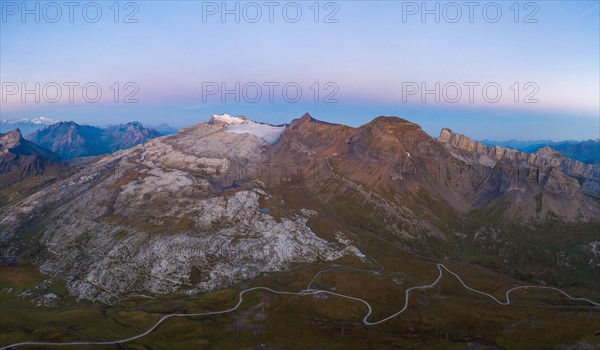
(309, 291)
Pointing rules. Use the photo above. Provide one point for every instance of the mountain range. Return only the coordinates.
(71, 140)
(165, 129)
(226, 200)
(25, 125)
(587, 151)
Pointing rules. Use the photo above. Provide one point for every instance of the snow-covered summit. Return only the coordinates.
(241, 125)
(43, 120)
(37, 121)
(226, 119)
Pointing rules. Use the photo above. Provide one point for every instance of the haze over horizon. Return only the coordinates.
(431, 130)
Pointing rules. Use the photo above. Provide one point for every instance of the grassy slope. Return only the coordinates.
(444, 317)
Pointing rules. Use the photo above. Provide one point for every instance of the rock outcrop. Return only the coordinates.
(20, 159)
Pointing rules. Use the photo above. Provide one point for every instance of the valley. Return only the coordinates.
(324, 322)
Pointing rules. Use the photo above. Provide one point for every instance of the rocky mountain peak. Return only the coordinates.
(391, 153)
(548, 152)
(456, 140)
(70, 124)
(445, 135)
(20, 158)
(11, 139)
(135, 128)
(386, 130)
(392, 120)
(306, 119)
(136, 125)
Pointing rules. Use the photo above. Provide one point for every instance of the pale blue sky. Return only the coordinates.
(369, 53)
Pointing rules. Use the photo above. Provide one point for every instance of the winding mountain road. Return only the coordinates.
(309, 291)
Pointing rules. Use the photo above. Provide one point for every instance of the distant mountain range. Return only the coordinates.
(165, 129)
(71, 140)
(584, 151)
(25, 125)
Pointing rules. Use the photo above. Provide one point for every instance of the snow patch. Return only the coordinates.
(227, 119)
(267, 132)
(241, 125)
(43, 120)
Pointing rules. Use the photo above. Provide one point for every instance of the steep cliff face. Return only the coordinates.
(540, 182)
(545, 156)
